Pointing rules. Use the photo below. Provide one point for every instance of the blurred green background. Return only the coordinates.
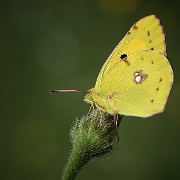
(51, 44)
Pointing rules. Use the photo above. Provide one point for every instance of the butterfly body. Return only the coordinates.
(136, 78)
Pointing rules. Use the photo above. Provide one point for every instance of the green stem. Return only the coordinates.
(74, 165)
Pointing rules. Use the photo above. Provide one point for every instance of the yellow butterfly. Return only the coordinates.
(136, 79)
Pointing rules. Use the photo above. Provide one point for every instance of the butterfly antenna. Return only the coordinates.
(58, 91)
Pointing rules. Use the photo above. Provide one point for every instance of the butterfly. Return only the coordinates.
(137, 77)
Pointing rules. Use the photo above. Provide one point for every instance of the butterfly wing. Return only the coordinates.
(139, 88)
(146, 34)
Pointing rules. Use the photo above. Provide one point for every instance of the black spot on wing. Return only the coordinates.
(125, 59)
(160, 80)
(135, 27)
(152, 100)
(157, 89)
(123, 56)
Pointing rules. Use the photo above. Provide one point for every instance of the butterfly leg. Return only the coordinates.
(100, 114)
(100, 117)
(115, 124)
(115, 119)
(91, 107)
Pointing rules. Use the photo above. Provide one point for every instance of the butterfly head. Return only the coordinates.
(88, 95)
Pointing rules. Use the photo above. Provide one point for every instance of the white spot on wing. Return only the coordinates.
(138, 79)
(136, 74)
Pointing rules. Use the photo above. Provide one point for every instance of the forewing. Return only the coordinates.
(146, 34)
